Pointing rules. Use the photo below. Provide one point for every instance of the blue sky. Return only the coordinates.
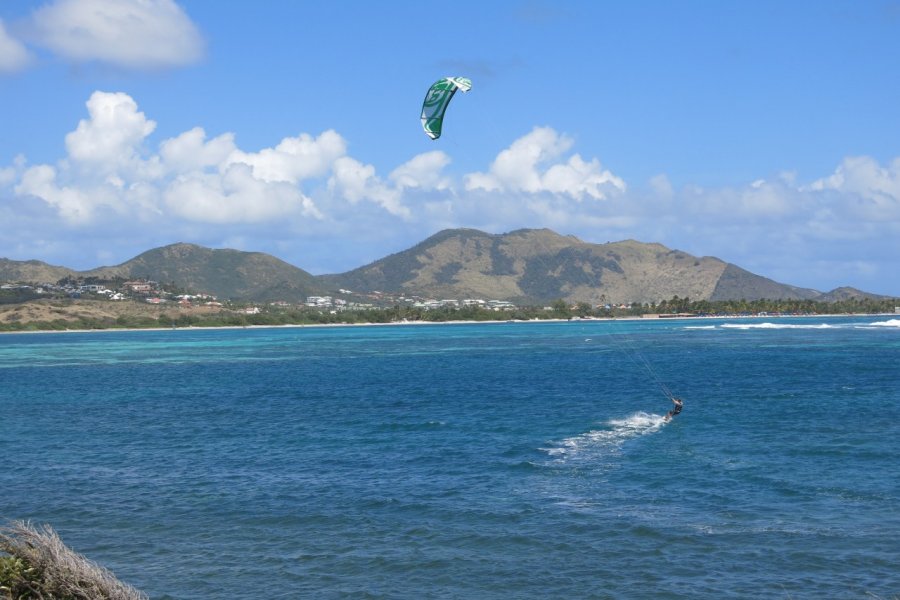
(766, 134)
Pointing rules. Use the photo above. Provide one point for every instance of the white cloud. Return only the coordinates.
(424, 171)
(107, 166)
(126, 33)
(578, 179)
(210, 180)
(355, 181)
(74, 205)
(14, 56)
(875, 189)
(111, 138)
(294, 159)
(522, 167)
(235, 197)
(190, 151)
(758, 201)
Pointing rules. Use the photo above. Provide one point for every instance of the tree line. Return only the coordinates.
(559, 309)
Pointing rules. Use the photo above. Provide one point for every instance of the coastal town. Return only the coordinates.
(152, 292)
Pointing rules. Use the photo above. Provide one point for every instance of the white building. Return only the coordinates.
(319, 301)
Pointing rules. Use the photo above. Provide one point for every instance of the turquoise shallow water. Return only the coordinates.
(513, 460)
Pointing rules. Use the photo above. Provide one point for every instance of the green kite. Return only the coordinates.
(436, 101)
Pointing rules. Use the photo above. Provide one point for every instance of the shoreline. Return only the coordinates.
(460, 322)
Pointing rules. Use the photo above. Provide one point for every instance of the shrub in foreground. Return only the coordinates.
(40, 567)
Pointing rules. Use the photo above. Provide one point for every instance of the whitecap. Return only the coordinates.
(776, 326)
(888, 323)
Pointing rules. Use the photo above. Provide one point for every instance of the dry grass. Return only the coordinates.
(41, 567)
(37, 311)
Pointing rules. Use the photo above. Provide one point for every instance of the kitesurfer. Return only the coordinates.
(679, 403)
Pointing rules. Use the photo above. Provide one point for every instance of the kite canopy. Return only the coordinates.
(436, 101)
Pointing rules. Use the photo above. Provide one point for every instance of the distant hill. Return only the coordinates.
(848, 293)
(532, 265)
(33, 271)
(737, 284)
(527, 266)
(224, 273)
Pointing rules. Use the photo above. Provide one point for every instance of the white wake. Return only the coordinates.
(607, 440)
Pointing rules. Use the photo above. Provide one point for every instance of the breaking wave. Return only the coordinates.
(888, 323)
(776, 326)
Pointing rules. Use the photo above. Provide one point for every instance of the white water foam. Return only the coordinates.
(775, 326)
(888, 323)
(609, 439)
(700, 327)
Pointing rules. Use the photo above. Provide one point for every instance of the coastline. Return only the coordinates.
(454, 322)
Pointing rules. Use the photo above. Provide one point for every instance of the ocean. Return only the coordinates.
(502, 460)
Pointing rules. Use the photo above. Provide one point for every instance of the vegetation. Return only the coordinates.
(38, 566)
(17, 296)
(275, 316)
(861, 305)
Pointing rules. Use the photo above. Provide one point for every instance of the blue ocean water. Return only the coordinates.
(509, 460)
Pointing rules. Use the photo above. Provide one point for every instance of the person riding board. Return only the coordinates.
(679, 404)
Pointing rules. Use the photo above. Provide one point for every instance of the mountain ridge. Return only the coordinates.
(526, 266)
(537, 265)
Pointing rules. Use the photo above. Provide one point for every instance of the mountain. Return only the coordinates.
(736, 284)
(224, 273)
(848, 293)
(33, 271)
(527, 266)
(531, 265)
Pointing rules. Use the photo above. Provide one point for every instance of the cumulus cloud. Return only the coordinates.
(125, 33)
(112, 135)
(130, 34)
(191, 152)
(537, 181)
(74, 205)
(355, 182)
(14, 56)
(757, 201)
(523, 167)
(294, 159)
(108, 166)
(424, 171)
(875, 188)
(234, 196)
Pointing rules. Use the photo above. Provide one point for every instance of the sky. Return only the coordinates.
(765, 133)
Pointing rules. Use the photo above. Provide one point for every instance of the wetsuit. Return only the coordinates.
(677, 408)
